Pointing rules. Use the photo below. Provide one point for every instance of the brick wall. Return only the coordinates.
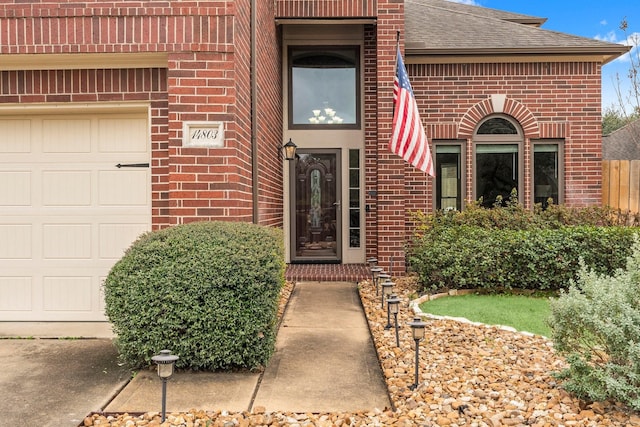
(269, 115)
(550, 100)
(390, 199)
(206, 79)
(326, 8)
(371, 138)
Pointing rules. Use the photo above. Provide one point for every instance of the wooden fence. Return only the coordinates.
(621, 185)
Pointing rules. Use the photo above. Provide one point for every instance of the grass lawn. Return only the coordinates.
(523, 313)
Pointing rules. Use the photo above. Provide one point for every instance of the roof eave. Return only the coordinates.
(536, 22)
(603, 55)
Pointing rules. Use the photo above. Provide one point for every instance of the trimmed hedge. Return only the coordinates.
(207, 291)
(504, 248)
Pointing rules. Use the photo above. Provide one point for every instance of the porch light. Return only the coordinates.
(166, 362)
(417, 330)
(289, 150)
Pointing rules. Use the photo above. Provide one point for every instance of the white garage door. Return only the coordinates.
(67, 212)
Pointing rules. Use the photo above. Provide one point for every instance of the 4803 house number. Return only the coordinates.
(203, 134)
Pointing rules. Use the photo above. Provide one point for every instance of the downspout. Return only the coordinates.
(254, 115)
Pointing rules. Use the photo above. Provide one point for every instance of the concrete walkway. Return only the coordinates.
(324, 362)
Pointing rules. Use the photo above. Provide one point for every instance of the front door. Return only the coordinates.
(315, 210)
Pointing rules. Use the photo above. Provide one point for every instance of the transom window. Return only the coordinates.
(324, 87)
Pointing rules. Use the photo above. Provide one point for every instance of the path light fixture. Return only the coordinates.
(382, 277)
(393, 305)
(387, 290)
(289, 150)
(372, 262)
(166, 362)
(375, 274)
(417, 330)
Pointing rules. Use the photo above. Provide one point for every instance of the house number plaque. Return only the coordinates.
(203, 134)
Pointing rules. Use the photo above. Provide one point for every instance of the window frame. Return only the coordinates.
(560, 143)
(291, 49)
(462, 144)
(498, 139)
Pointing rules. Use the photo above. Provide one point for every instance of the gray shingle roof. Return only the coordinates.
(622, 144)
(438, 27)
(484, 11)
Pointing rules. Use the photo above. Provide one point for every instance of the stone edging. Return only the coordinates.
(415, 306)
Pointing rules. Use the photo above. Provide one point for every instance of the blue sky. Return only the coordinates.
(587, 18)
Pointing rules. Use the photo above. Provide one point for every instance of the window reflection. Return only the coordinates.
(324, 86)
(496, 172)
(545, 174)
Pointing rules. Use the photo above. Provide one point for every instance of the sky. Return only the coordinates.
(597, 19)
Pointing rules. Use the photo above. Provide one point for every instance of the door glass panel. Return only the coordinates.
(316, 207)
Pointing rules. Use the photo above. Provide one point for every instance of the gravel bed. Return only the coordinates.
(469, 375)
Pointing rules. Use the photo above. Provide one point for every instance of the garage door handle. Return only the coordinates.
(133, 165)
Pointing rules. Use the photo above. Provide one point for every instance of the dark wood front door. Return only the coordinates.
(315, 206)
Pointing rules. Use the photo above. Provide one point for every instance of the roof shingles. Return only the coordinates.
(437, 26)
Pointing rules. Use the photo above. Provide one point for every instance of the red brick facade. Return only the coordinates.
(208, 77)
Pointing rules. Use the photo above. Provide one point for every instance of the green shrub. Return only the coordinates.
(495, 250)
(596, 323)
(207, 291)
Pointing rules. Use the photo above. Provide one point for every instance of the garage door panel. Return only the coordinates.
(16, 135)
(66, 241)
(67, 213)
(15, 241)
(66, 188)
(67, 293)
(124, 187)
(16, 293)
(123, 135)
(116, 238)
(66, 136)
(15, 188)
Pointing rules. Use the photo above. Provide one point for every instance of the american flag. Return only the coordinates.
(408, 139)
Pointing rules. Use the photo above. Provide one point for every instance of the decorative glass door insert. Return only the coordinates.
(315, 184)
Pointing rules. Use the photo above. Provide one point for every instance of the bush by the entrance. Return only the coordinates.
(207, 291)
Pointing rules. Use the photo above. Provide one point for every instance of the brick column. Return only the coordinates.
(390, 171)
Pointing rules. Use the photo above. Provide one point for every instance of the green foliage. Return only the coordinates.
(614, 119)
(510, 247)
(207, 291)
(596, 323)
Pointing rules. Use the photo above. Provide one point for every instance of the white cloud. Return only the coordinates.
(603, 22)
(610, 37)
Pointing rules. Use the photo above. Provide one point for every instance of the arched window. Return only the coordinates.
(497, 142)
